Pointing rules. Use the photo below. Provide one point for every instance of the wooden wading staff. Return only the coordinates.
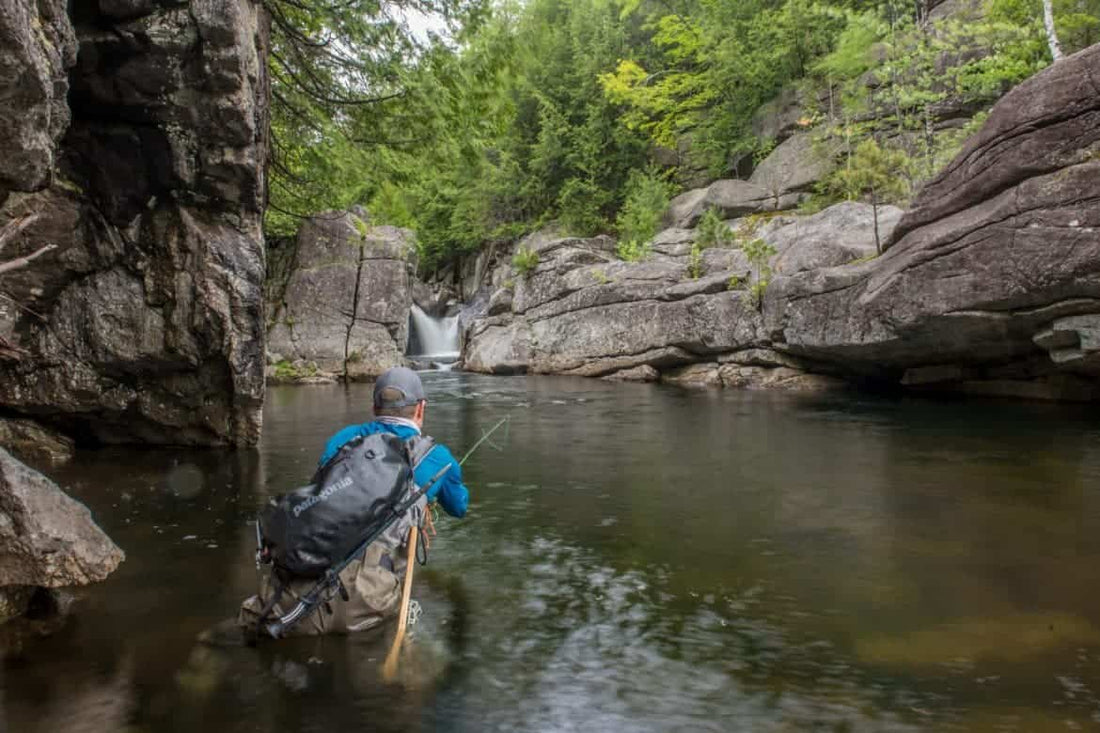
(389, 667)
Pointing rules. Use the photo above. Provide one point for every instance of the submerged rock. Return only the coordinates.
(47, 538)
(31, 442)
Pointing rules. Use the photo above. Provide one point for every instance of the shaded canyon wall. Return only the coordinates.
(136, 135)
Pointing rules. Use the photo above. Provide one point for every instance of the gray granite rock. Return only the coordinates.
(146, 323)
(48, 539)
(346, 304)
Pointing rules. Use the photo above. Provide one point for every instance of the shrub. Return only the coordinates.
(525, 260)
(712, 231)
(757, 252)
(695, 261)
(286, 370)
(875, 173)
(632, 250)
(580, 206)
(645, 202)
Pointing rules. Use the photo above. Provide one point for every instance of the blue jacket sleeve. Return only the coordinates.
(452, 494)
(337, 441)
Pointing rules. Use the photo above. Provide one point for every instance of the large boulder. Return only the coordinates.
(997, 265)
(37, 47)
(498, 346)
(146, 323)
(346, 304)
(729, 199)
(835, 236)
(48, 539)
(780, 118)
(796, 165)
(583, 311)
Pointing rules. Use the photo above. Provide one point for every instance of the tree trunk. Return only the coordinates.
(1052, 33)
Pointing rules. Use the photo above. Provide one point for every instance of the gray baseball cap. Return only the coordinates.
(405, 381)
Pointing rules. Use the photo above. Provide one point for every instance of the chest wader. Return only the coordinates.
(333, 546)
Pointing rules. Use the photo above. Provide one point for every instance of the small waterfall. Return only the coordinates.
(435, 338)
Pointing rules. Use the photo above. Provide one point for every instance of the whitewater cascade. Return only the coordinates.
(436, 337)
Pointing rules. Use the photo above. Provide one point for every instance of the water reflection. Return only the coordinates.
(636, 557)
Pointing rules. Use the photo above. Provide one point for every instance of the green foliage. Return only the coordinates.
(288, 371)
(342, 90)
(549, 110)
(695, 261)
(754, 297)
(890, 71)
(1077, 21)
(581, 204)
(852, 55)
(632, 250)
(711, 231)
(758, 252)
(715, 65)
(600, 277)
(644, 205)
(391, 205)
(525, 260)
(873, 171)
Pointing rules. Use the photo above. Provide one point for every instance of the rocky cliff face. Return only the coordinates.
(993, 278)
(583, 311)
(138, 133)
(992, 283)
(344, 308)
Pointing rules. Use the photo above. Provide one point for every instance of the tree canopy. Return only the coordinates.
(472, 121)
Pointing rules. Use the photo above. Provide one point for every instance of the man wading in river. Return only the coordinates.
(371, 584)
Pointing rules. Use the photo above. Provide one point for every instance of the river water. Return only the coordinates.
(636, 558)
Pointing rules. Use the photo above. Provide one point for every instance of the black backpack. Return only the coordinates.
(356, 493)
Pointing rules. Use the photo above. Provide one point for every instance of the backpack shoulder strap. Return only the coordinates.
(419, 448)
